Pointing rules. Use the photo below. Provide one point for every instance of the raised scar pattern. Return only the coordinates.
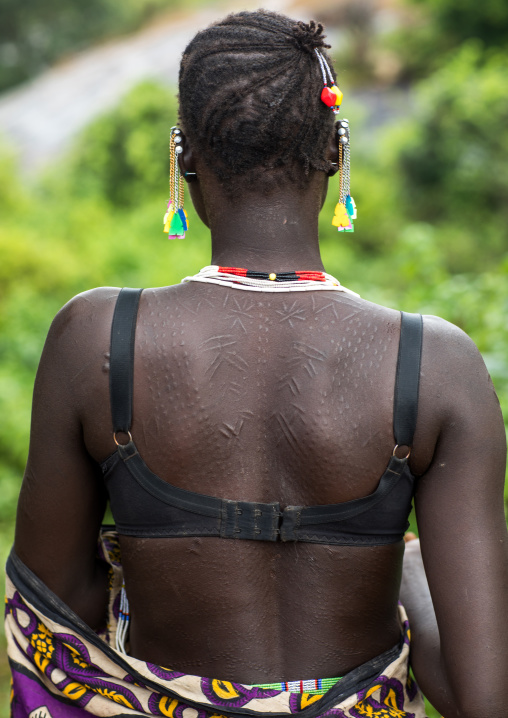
(236, 321)
(195, 310)
(228, 358)
(223, 355)
(309, 351)
(291, 383)
(240, 310)
(306, 358)
(286, 429)
(331, 306)
(348, 316)
(243, 307)
(221, 341)
(299, 409)
(290, 313)
(235, 387)
(233, 432)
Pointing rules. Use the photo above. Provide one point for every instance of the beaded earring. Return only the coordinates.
(176, 221)
(345, 209)
(330, 94)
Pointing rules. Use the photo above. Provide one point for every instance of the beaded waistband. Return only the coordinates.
(315, 686)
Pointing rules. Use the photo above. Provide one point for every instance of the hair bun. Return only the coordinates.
(309, 36)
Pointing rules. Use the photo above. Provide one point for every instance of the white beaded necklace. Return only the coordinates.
(268, 281)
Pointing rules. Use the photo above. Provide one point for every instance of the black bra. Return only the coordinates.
(146, 506)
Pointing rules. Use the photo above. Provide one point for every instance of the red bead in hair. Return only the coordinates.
(328, 97)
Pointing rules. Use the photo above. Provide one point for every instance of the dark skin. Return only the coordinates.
(274, 397)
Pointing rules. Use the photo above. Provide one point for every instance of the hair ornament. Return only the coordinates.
(345, 209)
(176, 221)
(330, 94)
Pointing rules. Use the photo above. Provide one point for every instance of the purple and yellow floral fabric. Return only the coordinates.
(61, 669)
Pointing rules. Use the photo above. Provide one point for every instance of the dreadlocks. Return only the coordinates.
(250, 100)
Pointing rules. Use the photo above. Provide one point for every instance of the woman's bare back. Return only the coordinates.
(310, 423)
(266, 398)
(320, 432)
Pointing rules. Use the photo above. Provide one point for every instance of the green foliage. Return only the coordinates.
(423, 55)
(454, 164)
(438, 28)
(429, 238)
(123, 156)
(34, 34)
(12, 197)
(487, 20)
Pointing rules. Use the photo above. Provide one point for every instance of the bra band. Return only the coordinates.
(407, 381)
(121, 363)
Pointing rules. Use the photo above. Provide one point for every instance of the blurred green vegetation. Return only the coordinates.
(430, 188)
(439, 27)
(35, 34)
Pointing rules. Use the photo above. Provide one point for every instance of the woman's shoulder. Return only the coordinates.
(82, 327)
(447, 344)
(440, 335)
(455, 386)
(85, 320)
(87, 305)
(441, 338)
(453, 375)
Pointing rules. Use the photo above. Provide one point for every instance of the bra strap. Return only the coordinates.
(407, 381)
(121, 363)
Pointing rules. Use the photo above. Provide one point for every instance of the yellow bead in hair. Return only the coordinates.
(338, 93)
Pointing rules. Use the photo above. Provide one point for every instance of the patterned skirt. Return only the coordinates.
(63, 669)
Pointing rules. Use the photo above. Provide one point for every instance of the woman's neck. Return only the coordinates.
(275, 233)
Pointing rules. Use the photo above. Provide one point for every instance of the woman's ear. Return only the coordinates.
(187, 166)
(186, 161)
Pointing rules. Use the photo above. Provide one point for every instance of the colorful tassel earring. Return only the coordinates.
(345, 209)
(176, 221)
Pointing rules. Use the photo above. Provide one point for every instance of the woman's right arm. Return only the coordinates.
(462, 667)
(63, 497)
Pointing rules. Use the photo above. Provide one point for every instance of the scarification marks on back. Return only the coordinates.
(223, 354)
(291, 312)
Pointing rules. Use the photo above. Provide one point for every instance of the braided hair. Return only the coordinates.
(250, 100)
